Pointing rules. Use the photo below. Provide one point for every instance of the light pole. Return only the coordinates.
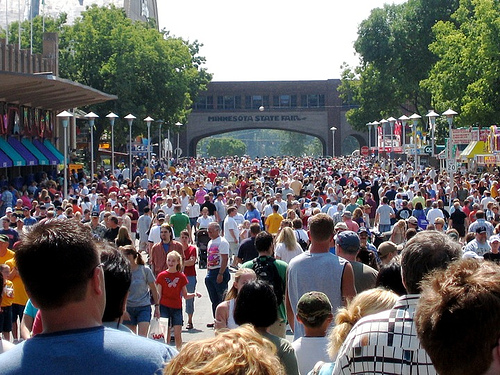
(450, 113)
(91, 118)
(64, 116)
(383, 123)
(404, 119)
(392, 121)
(149, 120)
(415, 117)
(333, 129)
(375, 129)
(178, 150)
(112, 117)
(130, 119)
(369, 137)
(432, 124)
(160, 122)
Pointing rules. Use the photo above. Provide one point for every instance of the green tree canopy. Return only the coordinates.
(219, 147)
(152, 73)
(393, 47)
(467, 75)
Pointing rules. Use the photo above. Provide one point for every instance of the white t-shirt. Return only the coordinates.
(286, 255)
(230, 223)
(215, 249)
(205, 221)
(310, 350)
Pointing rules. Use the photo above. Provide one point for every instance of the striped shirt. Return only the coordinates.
(385, 343)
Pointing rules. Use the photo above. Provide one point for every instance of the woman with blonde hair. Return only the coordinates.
(287, 246)
(369, 302)
(224, 311)
(240, 351)
(398, 232)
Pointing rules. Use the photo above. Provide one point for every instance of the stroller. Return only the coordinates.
(202, 240)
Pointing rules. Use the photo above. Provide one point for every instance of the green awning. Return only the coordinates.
(17, 159)
(54, 150)
(42, 160)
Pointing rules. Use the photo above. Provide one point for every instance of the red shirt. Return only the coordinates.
(188, 253)
(171, 287)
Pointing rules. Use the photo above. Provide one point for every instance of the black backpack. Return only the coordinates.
(301, 242)
(266, 270)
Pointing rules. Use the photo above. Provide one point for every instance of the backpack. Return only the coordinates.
(266, 270)
(301, 242)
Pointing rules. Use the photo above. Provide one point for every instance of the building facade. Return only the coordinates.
(307, 107)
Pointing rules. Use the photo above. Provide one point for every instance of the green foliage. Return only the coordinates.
(467, 74)
(152, 73)
(219, 147)
(393, 47)
(39, 25)
(269, 142)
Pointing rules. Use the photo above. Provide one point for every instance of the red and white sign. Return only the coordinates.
(365, 150)
(464, 136)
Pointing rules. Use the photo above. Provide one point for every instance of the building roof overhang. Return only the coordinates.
(47, 91)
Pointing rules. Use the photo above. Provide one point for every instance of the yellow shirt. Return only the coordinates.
(8, 255)
(273, 222)
(20, 295)
(6, 300)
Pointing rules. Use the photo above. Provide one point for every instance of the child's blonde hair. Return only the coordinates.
(369, 302)
(233, 292)
(178, 257)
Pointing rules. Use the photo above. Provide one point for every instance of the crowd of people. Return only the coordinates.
(347, 253)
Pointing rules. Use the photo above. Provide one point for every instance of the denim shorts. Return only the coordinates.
(138, 315)
(175, 315)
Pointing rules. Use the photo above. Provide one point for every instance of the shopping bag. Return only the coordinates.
(156, 331)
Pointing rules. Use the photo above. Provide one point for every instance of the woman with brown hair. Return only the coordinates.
(123, 237)
(142, 288)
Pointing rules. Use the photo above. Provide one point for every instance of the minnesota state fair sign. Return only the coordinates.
(256, 118)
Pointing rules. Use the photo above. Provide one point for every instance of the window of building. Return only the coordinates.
(285, 101)
(256, 101)
(313, 100)
(204, 102)
(228, 102)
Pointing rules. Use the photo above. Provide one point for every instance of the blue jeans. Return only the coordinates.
(382, 228)
(216, 291)
(190, 288)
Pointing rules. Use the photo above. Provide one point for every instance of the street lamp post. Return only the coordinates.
(450, 113)
(178, 150)
(375, 125)
(404, 119)
(91, 118)
(149, 120)
(130, 119)
(160, 122)
(369, 136)
(432, 124)
(64, 116)
(415, 117)
(333, 129)
(112, 117)
(392, 121)
(383, 123)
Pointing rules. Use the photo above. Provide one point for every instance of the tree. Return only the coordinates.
(219, 147)
(152, 73)
(393, 47)
(467, 75)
